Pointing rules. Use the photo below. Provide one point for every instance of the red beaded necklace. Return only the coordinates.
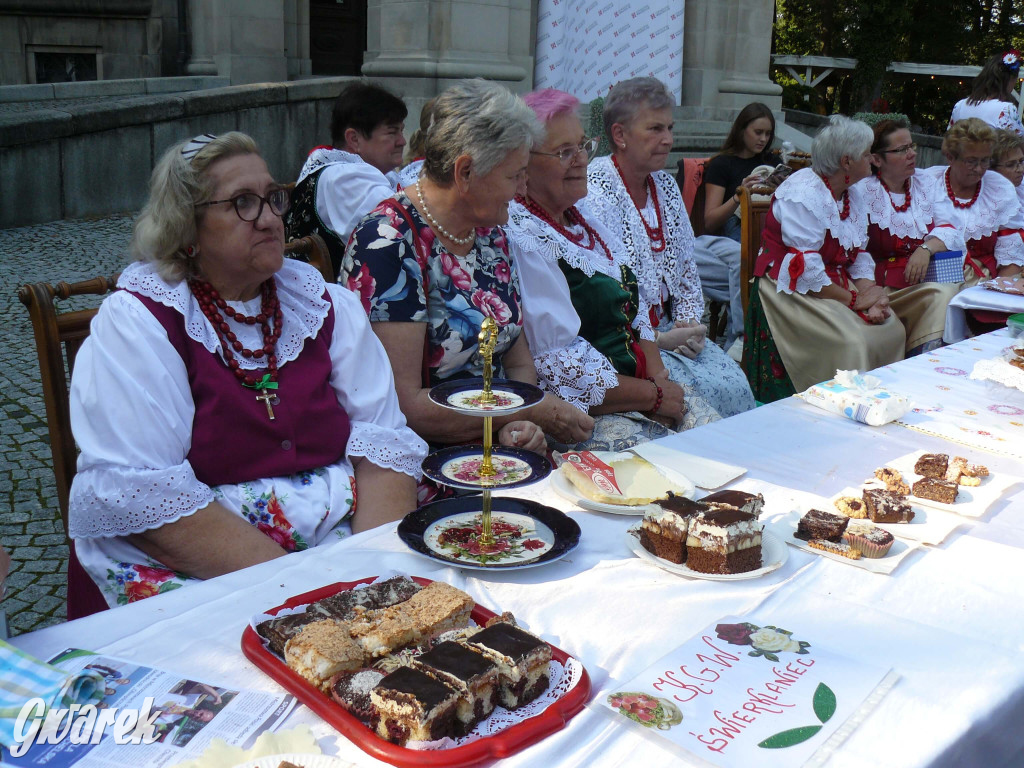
(574, 217)
(953, 198)
(211, 303)
(906, 192)
(845, 212)
(655, 234)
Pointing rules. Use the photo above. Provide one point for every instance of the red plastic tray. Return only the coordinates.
(509, 741)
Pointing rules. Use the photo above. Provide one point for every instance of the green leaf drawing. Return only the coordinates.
(790, 738)
(824, 702)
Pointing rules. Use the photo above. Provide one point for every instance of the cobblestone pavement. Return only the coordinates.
(30, 524)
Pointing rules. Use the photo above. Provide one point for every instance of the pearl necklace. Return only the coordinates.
(906, 191)
(437, 226)
(953, 197)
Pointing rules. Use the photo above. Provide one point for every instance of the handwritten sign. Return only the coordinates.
(741, 694)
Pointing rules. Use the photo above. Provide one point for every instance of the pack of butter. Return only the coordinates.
(629, 481)
(859, 397)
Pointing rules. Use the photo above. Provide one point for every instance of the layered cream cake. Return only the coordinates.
(473, 675)
(723, 541)
(410, 705)
(521, 658)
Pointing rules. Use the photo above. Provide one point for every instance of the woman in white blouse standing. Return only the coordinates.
(632, 195)
(228, 403)
(814, 306)
(991, 98)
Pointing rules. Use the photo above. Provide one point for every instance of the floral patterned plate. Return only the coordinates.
(465, 396)
(773, 555)
(527, 534)
(459, 467)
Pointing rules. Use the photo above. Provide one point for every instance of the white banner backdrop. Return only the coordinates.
(586, 46)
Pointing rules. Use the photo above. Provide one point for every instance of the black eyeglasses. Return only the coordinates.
(568, 154)
(899, 150)
(249, 205)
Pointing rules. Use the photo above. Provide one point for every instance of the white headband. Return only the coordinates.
(192, 147)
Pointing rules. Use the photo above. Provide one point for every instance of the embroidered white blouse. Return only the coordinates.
(673, 271)
(997, 208)
(348, 189)
(567, 364)
(995, 112)
(921, 220)
(807, 213)
(132, 412)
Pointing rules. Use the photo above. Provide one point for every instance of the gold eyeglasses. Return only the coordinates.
(567, 154)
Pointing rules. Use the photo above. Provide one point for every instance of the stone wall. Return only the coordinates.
(93, 159)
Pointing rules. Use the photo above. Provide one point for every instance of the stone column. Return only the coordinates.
(296, 38)
(200, 27)
(727, 56)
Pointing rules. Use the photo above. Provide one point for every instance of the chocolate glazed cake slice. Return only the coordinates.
(410, 705)
(521, 658)
(473, 675)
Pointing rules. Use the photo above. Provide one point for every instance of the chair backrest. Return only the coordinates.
(58, 338)
(752, 217)
(690, 178)
(313, 249)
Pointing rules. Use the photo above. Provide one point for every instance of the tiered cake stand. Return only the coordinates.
(481, 531)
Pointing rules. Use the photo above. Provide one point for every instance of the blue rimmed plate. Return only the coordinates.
(465, 396)
(458, 466)
(528, 534)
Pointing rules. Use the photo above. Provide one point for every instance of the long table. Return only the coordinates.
(948, 620)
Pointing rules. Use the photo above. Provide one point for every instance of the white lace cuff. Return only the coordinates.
(950, 236)
(813, 277)
(401, 450)
(1010, 250)
(117, 501)
(863, 267)
(576, 373)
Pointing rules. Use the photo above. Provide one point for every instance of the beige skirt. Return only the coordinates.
(922, 309)
(816, 337)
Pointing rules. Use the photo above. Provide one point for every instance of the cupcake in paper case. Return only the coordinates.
(872, 542)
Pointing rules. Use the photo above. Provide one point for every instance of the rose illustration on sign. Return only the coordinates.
(766, 641)
(649, 711)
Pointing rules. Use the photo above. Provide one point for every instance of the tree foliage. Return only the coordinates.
(877, 32)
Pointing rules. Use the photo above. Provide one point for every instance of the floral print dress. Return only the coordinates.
(403, 273)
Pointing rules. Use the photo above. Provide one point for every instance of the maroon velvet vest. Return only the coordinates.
(233, 439)
(774, 250)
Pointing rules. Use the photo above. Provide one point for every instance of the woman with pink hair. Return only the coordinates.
(586, 320)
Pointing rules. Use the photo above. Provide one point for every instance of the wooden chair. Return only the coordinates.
(752, 217)
(313, 250)
(58, 339)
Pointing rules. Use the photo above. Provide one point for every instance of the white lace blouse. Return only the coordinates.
(673, 269)
(132, 407)
(567, 364)
(920, 220)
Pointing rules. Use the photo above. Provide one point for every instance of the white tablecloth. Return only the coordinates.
(948, 619)
(976, 297)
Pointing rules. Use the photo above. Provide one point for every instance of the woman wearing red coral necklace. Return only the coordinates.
(588, 329)
(904, 231)
(227, 402)
(979, 202)
(814, 307)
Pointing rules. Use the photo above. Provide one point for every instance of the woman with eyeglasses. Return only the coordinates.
(1008, 160)
(904, 231)
(979, 202)
(991, 98)
(632, 195)
(228, 404)
(814, 305)
(587, 325)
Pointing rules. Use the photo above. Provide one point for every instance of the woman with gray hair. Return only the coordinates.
(228, 404)
(814, 305)
(432, 262)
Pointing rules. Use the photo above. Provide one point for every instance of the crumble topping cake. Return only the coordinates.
(321, 650)
(723, 541)
(932, 465)
(522, 662)
(410, 705)
(936, 490)
(886, 507)
(823, 526)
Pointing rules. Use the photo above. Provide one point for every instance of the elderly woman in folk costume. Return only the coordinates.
(979, 202)
(588, 326)
(228, 403)
(814, 305)
(904, 231)
(1008, 160)
(632, 195)
(432, 262)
